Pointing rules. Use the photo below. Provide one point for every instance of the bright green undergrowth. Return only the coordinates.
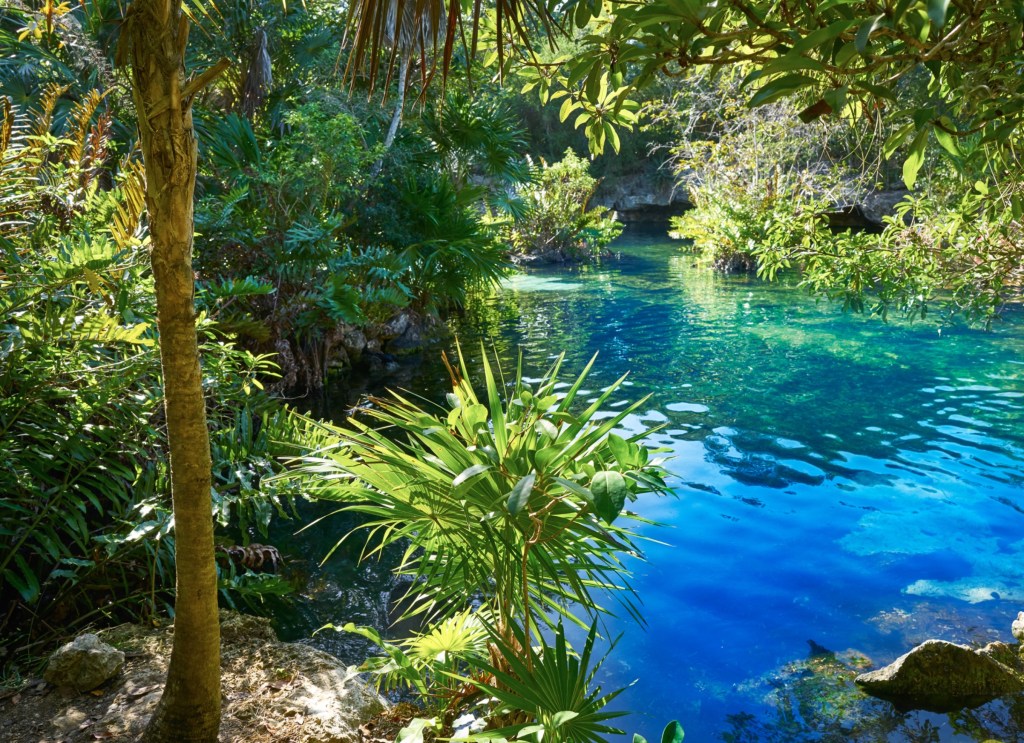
(557, 215)
(511, 508)
(85, 516)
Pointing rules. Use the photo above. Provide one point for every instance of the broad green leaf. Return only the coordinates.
(915, 158)
(413, 732)
(583, 15)
(610, 490)
(520, 494)
(544, 457)
(566, 109)
(847, 52)
(896, 139)
(613, 136)
(790, 63)
(937, 12)
(867, 28)
(673, 733)
(947, 141)
(575, 487)
(475, 415)
(822, 37)
(529, 730)
(619, 448)
(468, 473)
(546, 428)
(560, 718)
(779, 88)
(879, 91)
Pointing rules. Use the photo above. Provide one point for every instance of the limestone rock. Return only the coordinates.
(354, 341)
(877, 205)
(396, 326)
(84, 664)
(1017, 628)
(642, 196)
(331, 699)
(70, 720)
(941, 677)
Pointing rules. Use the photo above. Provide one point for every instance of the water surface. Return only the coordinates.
(842, 484)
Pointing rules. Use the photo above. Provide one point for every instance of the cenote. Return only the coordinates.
(844, 489)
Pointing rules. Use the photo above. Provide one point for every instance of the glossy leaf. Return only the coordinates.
(520, 494)
(610, 490)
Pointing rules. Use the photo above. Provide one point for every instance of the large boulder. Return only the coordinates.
(1017, 628)
(84, 664)
(942, 676)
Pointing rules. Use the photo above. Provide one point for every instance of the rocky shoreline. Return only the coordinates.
(271, 690)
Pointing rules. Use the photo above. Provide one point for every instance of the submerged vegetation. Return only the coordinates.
(191, 226)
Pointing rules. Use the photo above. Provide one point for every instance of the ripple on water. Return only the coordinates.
(819, 486)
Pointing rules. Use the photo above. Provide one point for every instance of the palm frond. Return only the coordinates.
(390, 30)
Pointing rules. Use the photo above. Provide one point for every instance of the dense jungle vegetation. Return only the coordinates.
(256, 193)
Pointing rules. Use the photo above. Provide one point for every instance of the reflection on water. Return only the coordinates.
(840, 480)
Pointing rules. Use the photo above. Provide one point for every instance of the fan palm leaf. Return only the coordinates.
(510, 499)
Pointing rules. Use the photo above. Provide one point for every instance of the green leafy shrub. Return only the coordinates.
(732, 225)
(317, 247)
(557, 220)
(953, 257)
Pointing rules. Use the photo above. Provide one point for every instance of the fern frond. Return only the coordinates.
(79, 124)
(131, 205)
(47, 103)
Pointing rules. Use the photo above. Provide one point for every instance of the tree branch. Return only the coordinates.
(192, 87)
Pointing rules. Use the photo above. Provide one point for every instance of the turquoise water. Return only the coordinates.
(841, 483)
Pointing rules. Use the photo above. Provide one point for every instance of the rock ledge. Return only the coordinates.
(942, 676)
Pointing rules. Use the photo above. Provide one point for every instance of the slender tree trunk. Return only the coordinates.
(189, 710)
(396, 117)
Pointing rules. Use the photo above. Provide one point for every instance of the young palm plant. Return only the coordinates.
(556, 691)
(508, 502)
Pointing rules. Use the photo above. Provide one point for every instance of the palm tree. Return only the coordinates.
(404, 35)
(154, 39)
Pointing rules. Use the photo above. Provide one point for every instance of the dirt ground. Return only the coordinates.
(271, 692)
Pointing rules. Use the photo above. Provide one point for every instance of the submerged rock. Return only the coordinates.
(84, 664)
(942, 676)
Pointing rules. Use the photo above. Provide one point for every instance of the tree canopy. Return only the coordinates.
(838, 58)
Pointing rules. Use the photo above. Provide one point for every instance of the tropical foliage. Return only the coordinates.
(510, 497)
(557, 220)
(317, 214)
(85, 517)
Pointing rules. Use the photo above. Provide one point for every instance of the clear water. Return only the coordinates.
(840, 483)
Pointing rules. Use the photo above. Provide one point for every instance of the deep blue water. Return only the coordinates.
(838, 480)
